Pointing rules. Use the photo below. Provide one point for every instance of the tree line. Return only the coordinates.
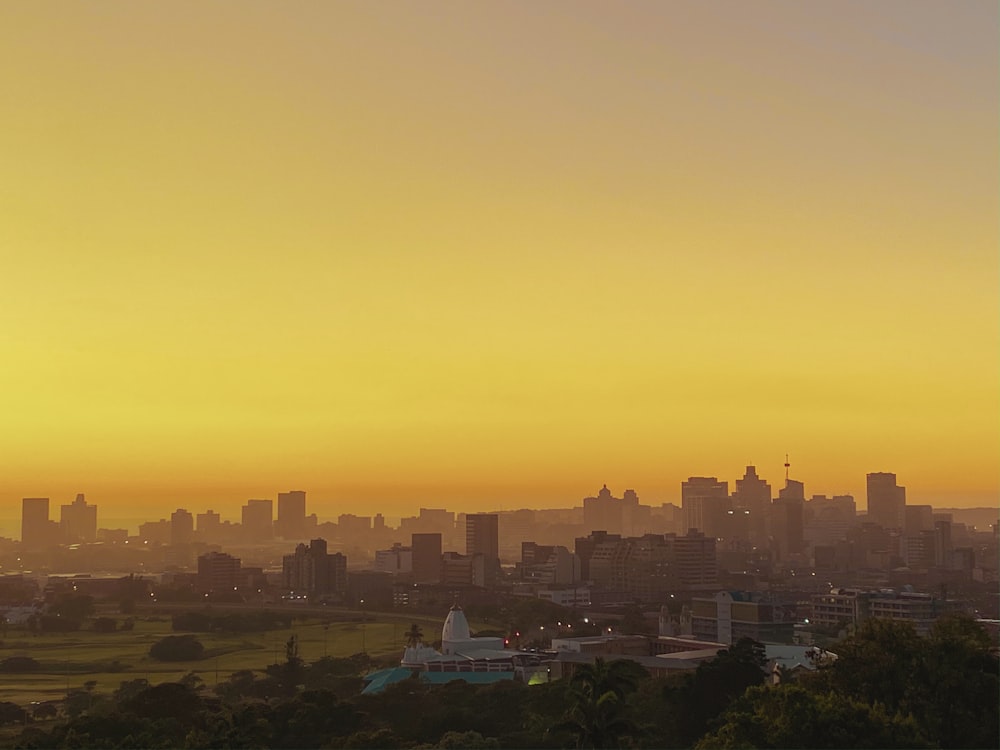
(887, 688)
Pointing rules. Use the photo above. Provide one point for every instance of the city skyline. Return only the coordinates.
(277, 525)
(497, 254)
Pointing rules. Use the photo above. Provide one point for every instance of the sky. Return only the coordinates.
(482, 255)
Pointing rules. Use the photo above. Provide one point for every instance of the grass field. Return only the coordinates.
(71, 659)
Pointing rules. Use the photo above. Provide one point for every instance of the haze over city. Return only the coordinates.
(495, 255)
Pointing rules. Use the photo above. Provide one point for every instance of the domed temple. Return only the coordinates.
(462, 657)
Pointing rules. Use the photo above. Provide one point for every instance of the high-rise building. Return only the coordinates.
(218, 571)
(426, 557)
(603, 513)
(181, 527)
(310, 571)
(291, 523)
(78, 521)
(482, 538)
(704, 502)
(754, 494)
(788, 520)
(886, 501)
(208, 524)
(258, 520)
(36, 528)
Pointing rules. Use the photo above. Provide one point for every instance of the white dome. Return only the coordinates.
(456, 627)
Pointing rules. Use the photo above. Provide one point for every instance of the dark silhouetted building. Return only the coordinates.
(787, 520)
(218, 571)
(602, 513)
(482, 538)
(208, 525)
(291, 523)
(36, 528)
(181, 527)
(258, 520)
(426, 557)
(311, 571)
(754, 494)
(886, 501)
(78, 521)
(704, 502)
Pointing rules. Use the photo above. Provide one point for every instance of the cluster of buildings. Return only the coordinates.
(609, 551)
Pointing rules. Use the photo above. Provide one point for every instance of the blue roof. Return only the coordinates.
(475, 678)
(379, 681)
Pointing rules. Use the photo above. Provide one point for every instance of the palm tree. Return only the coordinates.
(414, 636)
(618, 676)
(598, 723)
(597, 718)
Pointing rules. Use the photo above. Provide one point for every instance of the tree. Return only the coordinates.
(177, 648)
(105, 625)
(598, 717)
(790, 716)
(957, 698)
(414, 636)
(19, 665)
(694, 700)
(620, 676)
(877, 664)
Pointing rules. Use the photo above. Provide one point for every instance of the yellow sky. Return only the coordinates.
(495, 253)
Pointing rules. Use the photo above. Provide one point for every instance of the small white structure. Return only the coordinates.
(455, 636)
(416, 656)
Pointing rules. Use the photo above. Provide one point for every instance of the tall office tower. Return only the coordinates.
(208, 524)
(426, 557)
(754, 494)
(181, 527)
(602, 513)
(36, 528)
(78, 521)
(697, 561)
(704, 502)
(917, 518)
(257, 517)
(886, 501)
(788, 520)
(312, 572)
(482, 537)
(291, 523)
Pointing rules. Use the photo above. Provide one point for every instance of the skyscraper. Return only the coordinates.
(754, 494)
(602, 513)
(886, 501)
(181, 527)
(78, 521)
(482, 537)
(704, 502)
(787, 520)
(257, 518)
(311, 571)
(426, 557)
(36, 528)
(291, 523)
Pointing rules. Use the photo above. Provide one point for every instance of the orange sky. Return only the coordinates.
(484, 254)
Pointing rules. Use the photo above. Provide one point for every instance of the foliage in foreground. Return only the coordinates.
(888, 688)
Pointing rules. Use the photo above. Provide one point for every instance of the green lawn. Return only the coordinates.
(71, 659)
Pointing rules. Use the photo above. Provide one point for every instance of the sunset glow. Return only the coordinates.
(495, 254)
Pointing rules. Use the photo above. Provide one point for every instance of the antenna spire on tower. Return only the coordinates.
(786, 468)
